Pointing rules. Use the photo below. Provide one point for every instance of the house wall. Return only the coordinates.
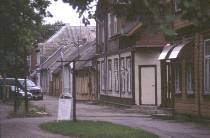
(196, 104)
(147, 39)
(56, 85)
(146, 56)
(204, 98)
(111, 95)
(184, 102)
(33, 59)
(45, 79)
(86, 85)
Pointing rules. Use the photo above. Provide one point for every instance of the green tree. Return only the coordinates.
(20, 20)
(154, 14)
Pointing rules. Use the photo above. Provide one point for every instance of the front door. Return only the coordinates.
(148, 88)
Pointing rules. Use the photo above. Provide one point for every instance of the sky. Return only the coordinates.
(64, 12)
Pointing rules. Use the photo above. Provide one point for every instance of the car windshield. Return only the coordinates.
(29, 83)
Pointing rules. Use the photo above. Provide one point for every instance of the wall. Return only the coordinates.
(86, 85)
(110, 94)
(147, 56)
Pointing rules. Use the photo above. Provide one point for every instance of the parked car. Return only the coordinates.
(32, 88)
(20, 92)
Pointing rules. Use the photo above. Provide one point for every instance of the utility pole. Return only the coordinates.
(74, 92)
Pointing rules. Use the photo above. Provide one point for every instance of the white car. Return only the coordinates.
(21, 92)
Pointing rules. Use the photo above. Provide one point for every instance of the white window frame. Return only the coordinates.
(115, 25)
(99, 73)
(189, 78)
(177, 78)
(206, 69)
(122, 76)
(128, 79)
(116, 74)
(102, 76)
(102, 33)
(109, 25)
(109, 74)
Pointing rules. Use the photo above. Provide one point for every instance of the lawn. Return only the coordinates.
(93, 129)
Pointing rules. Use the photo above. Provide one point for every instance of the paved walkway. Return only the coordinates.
(163, 128)
(23, 127)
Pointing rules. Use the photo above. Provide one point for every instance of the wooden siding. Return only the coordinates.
(196, 104)
(86, 85)
(147, 39)
(179, 24)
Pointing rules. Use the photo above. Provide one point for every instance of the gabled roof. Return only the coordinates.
(66, 36)
(64, 41)
(86, 54)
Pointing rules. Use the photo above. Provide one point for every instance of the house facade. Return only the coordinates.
(127, 62)
(185, 70)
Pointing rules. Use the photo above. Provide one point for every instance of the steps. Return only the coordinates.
(150, 110)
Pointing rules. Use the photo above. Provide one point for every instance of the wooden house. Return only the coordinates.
(185, 70)
(55, 75)
(127, 62)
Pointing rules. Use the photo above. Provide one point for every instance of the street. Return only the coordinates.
(29, 127)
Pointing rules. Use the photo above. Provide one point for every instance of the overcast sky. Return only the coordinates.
(64, 12)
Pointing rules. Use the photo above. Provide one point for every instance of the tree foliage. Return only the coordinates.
(20, 20)
(155, 14)
(45, 31)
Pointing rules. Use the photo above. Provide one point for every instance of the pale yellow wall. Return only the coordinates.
(147, 57)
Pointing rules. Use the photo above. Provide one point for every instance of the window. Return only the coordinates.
(122, 78)
(116, 74)
(177, 5)
(109, 25)
(112, 25)
(99, 73)
(189, 78)
(178, 78)
(102, 33)
(128, 68)
(109, 74)
(115, 25)
(207, 66)
(98, 33)
(102, 75)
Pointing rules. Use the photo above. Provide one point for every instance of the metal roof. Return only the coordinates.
(175, 52)
(66, 38)
(165, 51)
